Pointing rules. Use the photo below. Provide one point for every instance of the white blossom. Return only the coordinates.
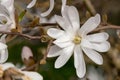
(7, 17)
(28, 75)
(75, 39)
(3, 49)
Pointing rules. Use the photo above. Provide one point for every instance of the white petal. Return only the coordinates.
(49, 10)
(63, 4)
(63, 44)
(79, 62)
(66, 17)
(98, 37)
(74, 17)
(55, 33)
(101, 47)
(90, 25)
(31, 4)
(86, 43)
(63, 23)
(64, 38)
(2, 46)
(66, 53)
(2, 39)
(7, 65)
(93, 55)
(9, 4)
(33, 75)
(3, 55)
(54, 51)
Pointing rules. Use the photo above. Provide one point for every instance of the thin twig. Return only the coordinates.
(43, 60)
(108, 26)
(21, 34)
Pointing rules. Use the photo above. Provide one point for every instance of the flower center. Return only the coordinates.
(77, 40)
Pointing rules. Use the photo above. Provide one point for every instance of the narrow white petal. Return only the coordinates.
(101, 47)
(31, 4)
(79, 62)
(86, 43)
(55, 33)
(63, 4)
(93, 55)
(90, 25)
(98, 37)
(74, 18)
(7, 65)
(66, 17)
(64, 38)
(49, 10)
(63, 23)
(54, 51)
(66, 53)
(9, 4)
(2, 46)
(63, 44)
(33, 75)
(3, 55)
(2, 39)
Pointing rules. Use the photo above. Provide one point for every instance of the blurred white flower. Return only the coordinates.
(3, 50)
(7, 17)
(28, 75)
(33, 2)
(93, 74)
(73, 39)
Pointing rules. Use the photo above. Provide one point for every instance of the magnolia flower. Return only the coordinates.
(7, 18)
(75, 39)
(3, 50)
(27, 75)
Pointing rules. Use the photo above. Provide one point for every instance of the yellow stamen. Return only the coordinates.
(77, 40)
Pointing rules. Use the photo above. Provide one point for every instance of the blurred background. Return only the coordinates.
(110, 70)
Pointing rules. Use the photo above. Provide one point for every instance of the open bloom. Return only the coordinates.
(73, 39)
(7, 17)
(26, 75)
(3, 50)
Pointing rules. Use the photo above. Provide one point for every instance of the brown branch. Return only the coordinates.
(21, 34)
(43, 61)
(108, 26)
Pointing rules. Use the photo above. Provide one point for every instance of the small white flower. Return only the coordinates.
(3, 50)
(28, 75)
(7, 17)
(73, 39)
